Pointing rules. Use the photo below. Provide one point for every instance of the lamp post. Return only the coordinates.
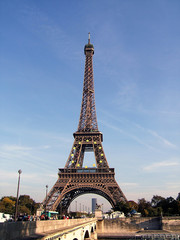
(15, 218)
(46, 199)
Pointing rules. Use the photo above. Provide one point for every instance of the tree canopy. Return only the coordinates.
(26, 205)
(158, 206)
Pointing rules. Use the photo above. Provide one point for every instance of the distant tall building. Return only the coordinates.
(94, 202)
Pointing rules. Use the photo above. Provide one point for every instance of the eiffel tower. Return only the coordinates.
(74, 179)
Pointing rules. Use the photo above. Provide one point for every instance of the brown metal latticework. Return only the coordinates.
(75, 180)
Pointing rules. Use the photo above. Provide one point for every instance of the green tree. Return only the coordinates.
(143, 207)
(29, 203)
(156, 200)
(178, 207)
(178, 197)
(165, 206)
(24, 210)
(122, 207)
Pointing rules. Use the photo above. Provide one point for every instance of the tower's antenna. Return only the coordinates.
(89, 38)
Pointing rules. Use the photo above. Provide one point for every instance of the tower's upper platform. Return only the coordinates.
(88, 48)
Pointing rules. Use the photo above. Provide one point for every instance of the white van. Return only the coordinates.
(5, 217)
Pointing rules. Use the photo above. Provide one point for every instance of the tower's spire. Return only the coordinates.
(89, 38)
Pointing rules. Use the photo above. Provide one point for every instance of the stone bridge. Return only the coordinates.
(88, 228)
(69, 229)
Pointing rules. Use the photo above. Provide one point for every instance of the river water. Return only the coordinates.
(145, 237)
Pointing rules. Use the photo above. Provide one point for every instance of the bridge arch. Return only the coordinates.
(86, 235)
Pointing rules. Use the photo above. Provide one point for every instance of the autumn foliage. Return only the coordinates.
(26, 205)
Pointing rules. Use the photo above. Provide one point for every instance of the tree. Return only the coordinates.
(24, 210)
(122, 207)
(143, 207)
(133, 205)
(156, 200)
(26, 205)
(7, 205)
(178, 197)
(29, 203)
(178, 207)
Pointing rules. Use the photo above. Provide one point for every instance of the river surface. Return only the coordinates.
(145, 237)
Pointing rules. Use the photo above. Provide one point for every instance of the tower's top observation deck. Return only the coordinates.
(89, 48)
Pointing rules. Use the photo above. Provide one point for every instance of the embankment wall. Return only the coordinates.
(120, 225)
(171, 224)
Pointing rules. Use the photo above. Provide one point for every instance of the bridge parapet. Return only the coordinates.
(41, 229)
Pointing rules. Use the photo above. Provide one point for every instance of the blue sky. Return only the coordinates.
(137, 87)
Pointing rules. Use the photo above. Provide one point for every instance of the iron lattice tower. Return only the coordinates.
(75, 180)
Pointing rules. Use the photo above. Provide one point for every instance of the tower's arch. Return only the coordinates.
(66, 199)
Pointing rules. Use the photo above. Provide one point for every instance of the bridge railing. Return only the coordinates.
(18, 230)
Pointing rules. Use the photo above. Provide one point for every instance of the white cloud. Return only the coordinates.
(127, 134)
(159, 165)
(173, 185)
(164, 141)
(45, 147)
(10, 148)
(20, 148)
(17, 156)
(129, 184)
(27, 177)
(18, 152)
(170, 113)
(153, 133)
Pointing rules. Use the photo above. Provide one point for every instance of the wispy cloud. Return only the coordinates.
(129, 184)
(29, 156)
(48, 31)
(127, 134)
(10, 148)
(159, 165)
(28, 177)
(173, 185)
(31, 132)
(170, 113)
(127, 95)
(163, 140)
(153, 133)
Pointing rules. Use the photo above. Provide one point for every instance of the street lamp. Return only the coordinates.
(46, 198)
(15, 218)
